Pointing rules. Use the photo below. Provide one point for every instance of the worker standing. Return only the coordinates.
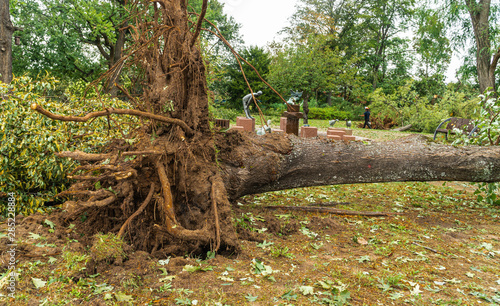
(367, 117)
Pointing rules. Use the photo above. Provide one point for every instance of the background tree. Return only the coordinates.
(72, 39)
(310, 68)
(475, 22)
(7, 29)
(233, 83)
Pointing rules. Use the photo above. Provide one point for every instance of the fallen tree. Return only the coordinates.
(269, 164)
(169, 191)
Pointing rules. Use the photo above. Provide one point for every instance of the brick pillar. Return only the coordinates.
(247, 124)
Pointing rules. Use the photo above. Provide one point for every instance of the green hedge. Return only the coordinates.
(327, 113)
(28, 141)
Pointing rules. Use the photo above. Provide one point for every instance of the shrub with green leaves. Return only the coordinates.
(28, 167)
(327, 113)
(488, 134)
(405, 106)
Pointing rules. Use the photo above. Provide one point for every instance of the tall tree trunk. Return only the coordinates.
(115, 56)
(480, 13)
(6, 31)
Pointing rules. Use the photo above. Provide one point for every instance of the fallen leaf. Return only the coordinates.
(38, 282)
(416, 290)
(306, 290)
(122, 297)
(469, 274)
(362, 241)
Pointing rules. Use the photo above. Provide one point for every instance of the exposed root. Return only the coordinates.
(97, 194)
(109, 111)
(139, 211)
(168, 203)
(82, 156)
(100, 203)
(216, 216)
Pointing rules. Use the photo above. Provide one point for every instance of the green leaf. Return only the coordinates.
(35, 236)
(289, 296)
(363, 259)
(251, 298)
(108, 296)
(122, 297)
(49, 223)
(38, 283)
(191, 268)
(306, 290)
(264, 244)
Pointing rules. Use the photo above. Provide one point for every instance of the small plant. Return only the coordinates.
(75, 261)
(108, 247)
(279, 251)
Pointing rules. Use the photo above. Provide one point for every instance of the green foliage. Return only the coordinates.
(225, 113)
(107, 247)
(405, 106)
(488, 135)
(28, 141)
(63, 37)
(328, 113)
(232, 83)
(313, 67)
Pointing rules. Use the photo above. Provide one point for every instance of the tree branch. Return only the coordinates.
(110, 111)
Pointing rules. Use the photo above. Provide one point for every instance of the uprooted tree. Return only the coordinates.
(171, 193)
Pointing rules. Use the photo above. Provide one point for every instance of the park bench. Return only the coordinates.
(466, 125)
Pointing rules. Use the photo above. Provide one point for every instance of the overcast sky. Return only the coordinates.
(260, 20)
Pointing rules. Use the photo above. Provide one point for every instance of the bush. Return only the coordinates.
(28, 166)
(274, 109)
(225, 113)
(405, 107)
(488, 135)
(327, 113)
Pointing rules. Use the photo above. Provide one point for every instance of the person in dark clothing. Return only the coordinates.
(367, 117)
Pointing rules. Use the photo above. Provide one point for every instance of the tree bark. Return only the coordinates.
(6, 31)
(262, 164)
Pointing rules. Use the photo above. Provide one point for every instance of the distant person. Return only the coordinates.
(246, 103)
(367, 117)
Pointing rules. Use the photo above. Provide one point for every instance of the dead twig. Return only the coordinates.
(427, 248)
(327, 204)
(109, 111)
(332, 211)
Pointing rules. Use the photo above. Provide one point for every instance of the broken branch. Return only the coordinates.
(332, 211)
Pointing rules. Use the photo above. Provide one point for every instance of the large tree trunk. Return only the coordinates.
(486, 66)
(6, 31)
(261, 164)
